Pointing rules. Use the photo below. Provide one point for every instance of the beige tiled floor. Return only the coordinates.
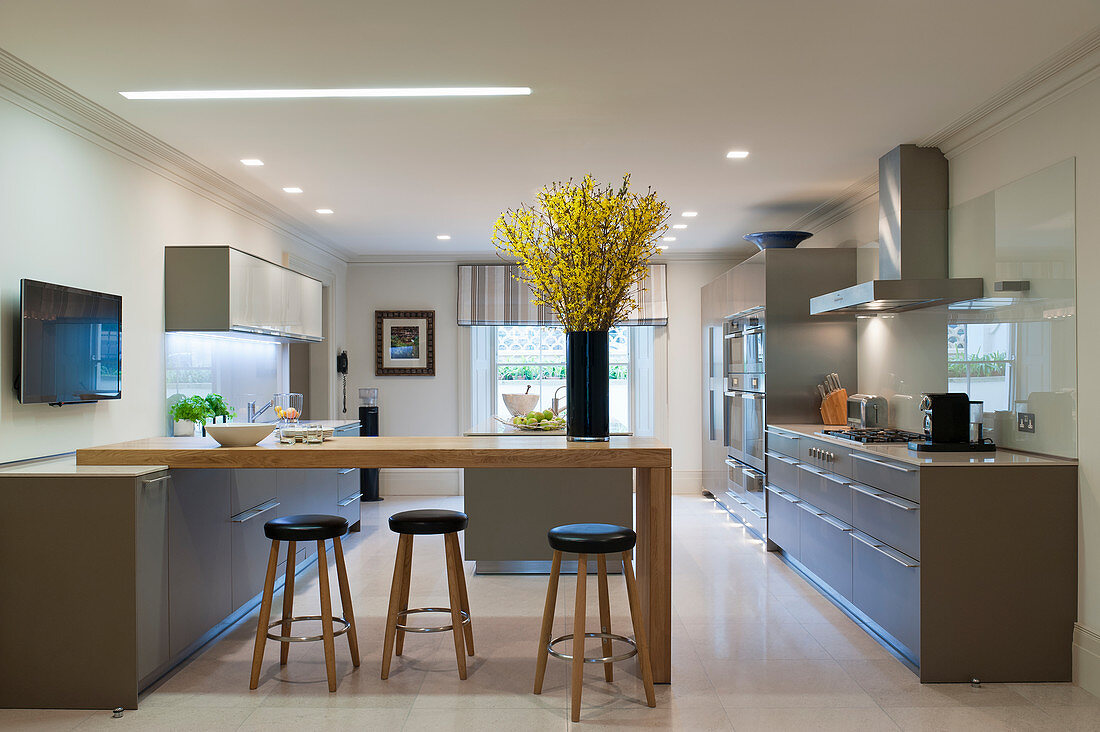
(754, 649)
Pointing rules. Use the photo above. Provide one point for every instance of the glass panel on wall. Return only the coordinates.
(531, 359)
(980, 359)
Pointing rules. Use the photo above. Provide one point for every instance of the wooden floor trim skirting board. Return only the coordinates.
(448, 482)
(1086, 658)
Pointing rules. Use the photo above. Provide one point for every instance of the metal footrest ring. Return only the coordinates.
(435, 629)
(305, 638)
(602, 659)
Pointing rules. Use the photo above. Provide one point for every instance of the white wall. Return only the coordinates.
(74, 213)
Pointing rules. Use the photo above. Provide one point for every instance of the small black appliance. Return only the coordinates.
(947, 425)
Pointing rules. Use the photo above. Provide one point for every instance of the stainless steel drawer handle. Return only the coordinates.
(732, 463)
(908, 563)
(790, 498)
(781, 433)
(154, 481)
(781, 458)
(886, 498)
(252, 513)
(881, 464)
(834, 522)
(345, 471)
(834, 479)
(810, 509)
(349, 499)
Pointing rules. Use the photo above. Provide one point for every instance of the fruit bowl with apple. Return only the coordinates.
(544, 421)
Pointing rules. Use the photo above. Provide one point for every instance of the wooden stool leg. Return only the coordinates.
(547, 621)
(605, 614)
(579, 608)
(326, 615)
(406, 583)
(456, 607)
(288, 601)
(345, 600)
(265, 616)
(468, 629)
(639, 630)
(403, 546)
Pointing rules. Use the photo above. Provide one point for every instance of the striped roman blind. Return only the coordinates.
(488, 294)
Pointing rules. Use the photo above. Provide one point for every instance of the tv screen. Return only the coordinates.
(70, 345)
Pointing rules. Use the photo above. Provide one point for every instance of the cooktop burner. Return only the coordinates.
(859, 434)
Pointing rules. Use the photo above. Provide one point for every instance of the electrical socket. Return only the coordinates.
(1025, 421)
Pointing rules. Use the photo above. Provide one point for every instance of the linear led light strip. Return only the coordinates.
(442, 91)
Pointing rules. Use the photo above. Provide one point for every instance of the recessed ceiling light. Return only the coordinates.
(443, 237)
(292, 189)
(252, 161)
(325, 211)
(679, 226)
(668, 238)
(689, 214)
(737, 154)
(438, 91)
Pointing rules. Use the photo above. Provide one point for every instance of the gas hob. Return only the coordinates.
(869, 436)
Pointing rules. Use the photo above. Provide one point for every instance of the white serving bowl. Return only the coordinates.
(520, 403)
(239, 434)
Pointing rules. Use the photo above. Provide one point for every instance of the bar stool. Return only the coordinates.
(292, 529)
(424, 522)
(601, 540)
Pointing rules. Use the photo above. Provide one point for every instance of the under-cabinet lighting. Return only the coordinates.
(429, 91)
(292, 189)
(737, 154)
(690, 214)
(443, 237)
(324, 211)
(251, 161)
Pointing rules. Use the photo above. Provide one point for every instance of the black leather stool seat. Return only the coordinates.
(306, 527)
(428, 521)
(592, 538)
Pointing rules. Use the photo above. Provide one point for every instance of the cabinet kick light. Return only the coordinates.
(428, 91)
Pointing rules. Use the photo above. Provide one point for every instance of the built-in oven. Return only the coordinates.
(744, 340)
(745, 485)
(744, 428)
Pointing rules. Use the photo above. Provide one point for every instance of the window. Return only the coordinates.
(531, 359)
(981, 360)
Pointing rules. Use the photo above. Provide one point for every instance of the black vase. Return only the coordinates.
(587, 396)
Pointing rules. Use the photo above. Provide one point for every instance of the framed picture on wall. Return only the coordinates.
(404, 342)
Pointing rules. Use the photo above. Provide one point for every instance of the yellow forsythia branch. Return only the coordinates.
(583, 248)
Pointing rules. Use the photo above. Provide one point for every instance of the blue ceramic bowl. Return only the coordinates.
(778, 239)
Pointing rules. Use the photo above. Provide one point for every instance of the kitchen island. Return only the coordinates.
(651, 461)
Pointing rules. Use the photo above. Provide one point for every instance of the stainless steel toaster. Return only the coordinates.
(869, 411)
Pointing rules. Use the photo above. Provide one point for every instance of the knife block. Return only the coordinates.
(834, 408)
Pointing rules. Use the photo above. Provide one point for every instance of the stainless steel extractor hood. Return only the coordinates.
(912, 249)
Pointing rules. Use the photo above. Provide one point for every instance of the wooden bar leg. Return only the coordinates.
(288, 602)
(395, 601)
(406, 583)
(547, 621)
(265, 616)
(456, 607)
(345, 600)
(605, 614)
(654, 552)
(639, 631)
(580, 606)
(326, 615)
(468, 629)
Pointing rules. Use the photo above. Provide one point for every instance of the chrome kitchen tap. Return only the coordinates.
(555, 402)
(252, 414)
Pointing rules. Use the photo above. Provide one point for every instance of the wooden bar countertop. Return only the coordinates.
(386, 452)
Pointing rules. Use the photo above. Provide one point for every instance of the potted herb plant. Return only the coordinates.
(583, 249)
(216, 406)
(186, 413)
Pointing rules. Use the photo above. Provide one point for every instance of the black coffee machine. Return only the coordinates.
(947, 425)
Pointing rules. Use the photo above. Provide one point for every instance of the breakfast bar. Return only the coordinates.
(651, 461)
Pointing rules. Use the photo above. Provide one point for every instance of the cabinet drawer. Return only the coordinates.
(886, 517)
(826, 548)
(783, 520)
(250, 550)
(783, 442)
(348, 492)
(782, 472)
(825, 455)
(898, 478)
(828, 491)
(250, 487)
(886, 586)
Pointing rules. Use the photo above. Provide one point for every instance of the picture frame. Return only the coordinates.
(404, 342)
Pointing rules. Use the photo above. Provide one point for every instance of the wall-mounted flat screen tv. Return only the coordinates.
(70, 345)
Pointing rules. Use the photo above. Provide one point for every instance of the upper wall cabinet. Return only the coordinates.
(223, 289)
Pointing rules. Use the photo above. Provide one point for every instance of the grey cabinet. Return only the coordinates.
(828, 491)
(152, 552)
(348, 495)
(886, 587)
(783, 521)
(901, 479)
(826, 548)
(889, 518)
(782, 472)
(251, 549)
(199, 548)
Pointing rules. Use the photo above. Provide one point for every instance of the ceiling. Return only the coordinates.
(815, 91)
